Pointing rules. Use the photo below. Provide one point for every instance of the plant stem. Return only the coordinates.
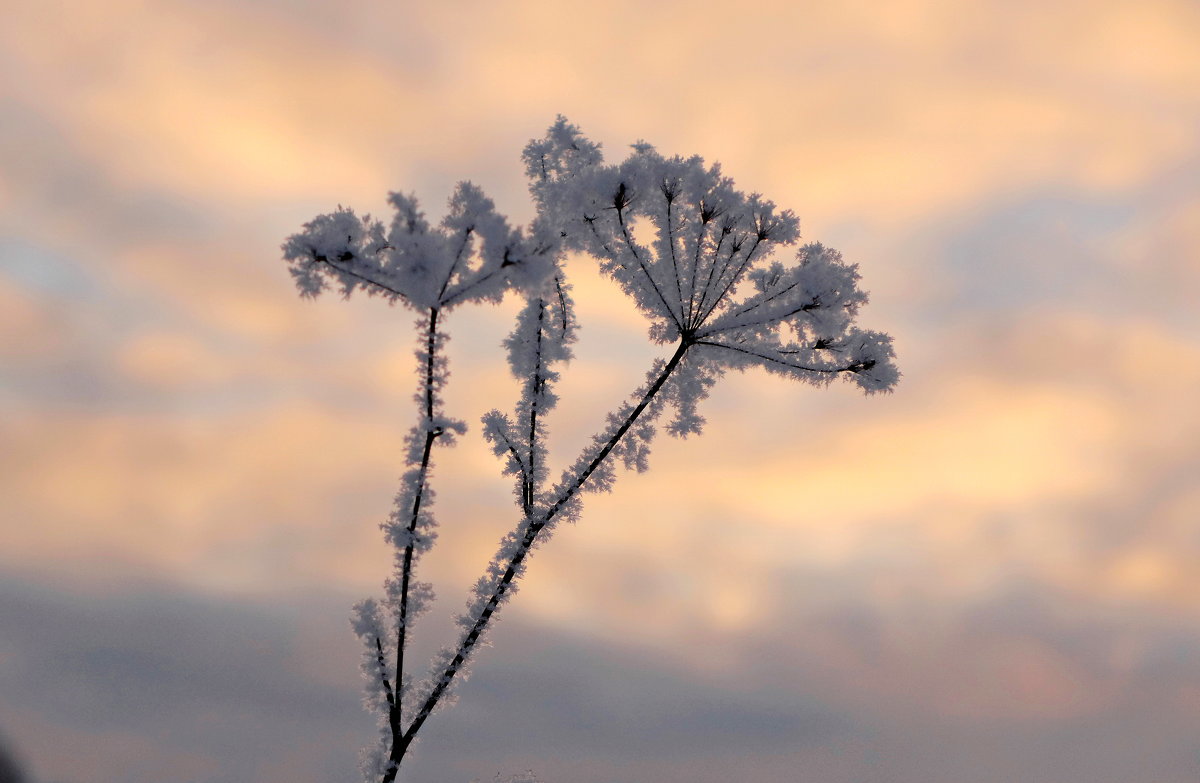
(395, 710)
(535, 388)
(468, 642)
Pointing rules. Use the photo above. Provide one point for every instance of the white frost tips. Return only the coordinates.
(472, 255)
(335, 246)
(367, 621)
(563, 153)
(539, 343)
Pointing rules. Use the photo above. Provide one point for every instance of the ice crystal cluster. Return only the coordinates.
(712, 278)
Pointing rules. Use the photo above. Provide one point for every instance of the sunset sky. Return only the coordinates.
(990, 576)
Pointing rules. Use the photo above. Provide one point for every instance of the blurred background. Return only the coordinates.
(992, 575)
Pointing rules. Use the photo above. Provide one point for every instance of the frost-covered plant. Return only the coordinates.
(710, 285)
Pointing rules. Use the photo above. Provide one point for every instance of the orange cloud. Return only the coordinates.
(891, 114)
(209, 500)
(1027, 455)
(209, 103)
(29, 330)
(167, 360)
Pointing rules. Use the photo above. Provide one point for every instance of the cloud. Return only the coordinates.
(203, 101)
(842, 693)
(29, 327)
(194, 497)
(166, 360)
(988, 575)
(150, 685)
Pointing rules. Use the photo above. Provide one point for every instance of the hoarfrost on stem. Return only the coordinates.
(710, 285)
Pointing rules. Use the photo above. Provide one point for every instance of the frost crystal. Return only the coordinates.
(472, 255)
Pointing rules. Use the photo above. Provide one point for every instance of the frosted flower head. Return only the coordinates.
(697, 256)
(472, 255)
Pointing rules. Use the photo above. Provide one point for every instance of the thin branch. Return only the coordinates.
(733, 279)
(430, 361)
(562, 303)
(395, 714)
(465, 288)
(387, 686)
(512, 449)
(535, 387)
(716, 257)
(776, 360)
(674, 263)
(804, 308)
(457, 258)
(696, 269)
(462, 289)
(642, 265)
(591, 221)
(760, 302)
(362, 277)
(468, 642)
